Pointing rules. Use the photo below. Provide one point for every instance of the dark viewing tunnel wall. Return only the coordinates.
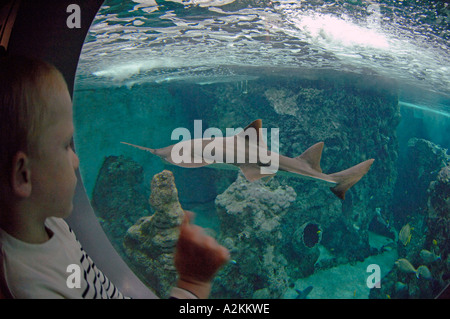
(40, 30)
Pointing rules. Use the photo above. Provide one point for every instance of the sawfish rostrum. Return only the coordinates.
(248, 151)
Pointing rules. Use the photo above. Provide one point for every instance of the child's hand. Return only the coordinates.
(198, 257)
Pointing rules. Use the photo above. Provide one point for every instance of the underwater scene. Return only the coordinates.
(353, 95)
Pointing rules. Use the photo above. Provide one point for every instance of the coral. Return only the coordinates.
(282, 101)
(254, 207)
(150, 243)
(250, 215)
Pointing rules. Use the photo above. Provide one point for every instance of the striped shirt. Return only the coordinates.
(58, 268)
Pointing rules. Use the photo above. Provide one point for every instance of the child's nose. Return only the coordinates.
(76, 161)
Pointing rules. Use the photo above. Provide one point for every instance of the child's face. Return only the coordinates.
(53, 170)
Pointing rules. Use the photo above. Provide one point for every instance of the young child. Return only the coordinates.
(37, 185)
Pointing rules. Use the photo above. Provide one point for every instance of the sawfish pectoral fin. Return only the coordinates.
(349, 177)
(195, 163)
(253, 172)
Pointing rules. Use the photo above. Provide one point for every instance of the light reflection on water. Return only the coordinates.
(141, 41)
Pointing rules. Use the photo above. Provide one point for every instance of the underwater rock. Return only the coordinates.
(438, 224)
(304, 248)
(423, 161)
(258, 205)
(429, 245)
(309, 235)
(282, 101)
(401, 289)
(150, 243)
(414, 195)
(338, 227)
(116, 197)
(263, 293)
(346, 240)
(439, 195)
(250, 227)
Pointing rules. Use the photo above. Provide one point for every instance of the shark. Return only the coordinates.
(306, 165)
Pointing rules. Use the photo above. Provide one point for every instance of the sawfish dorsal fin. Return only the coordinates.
(257, 126)
(312, 156)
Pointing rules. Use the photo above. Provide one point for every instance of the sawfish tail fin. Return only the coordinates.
(349, 177)
(151, 150)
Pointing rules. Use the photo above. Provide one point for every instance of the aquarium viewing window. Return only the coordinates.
(348, 82)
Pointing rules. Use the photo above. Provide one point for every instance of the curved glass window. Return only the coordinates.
(369, 79)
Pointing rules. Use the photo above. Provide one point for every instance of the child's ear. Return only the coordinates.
(21, 175)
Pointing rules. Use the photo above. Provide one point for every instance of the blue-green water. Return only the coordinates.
(365, 77)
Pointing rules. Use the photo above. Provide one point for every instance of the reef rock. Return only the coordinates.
(150, 243)
(416, 192)
(261, 206)
(438, 223)
(439, 195)
(250, 215)
(117, 199)
(431, 233)
(422, 163)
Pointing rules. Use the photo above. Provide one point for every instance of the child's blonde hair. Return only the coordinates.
(24, 86)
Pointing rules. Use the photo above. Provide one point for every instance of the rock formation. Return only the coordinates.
(419, 167)
(438, 224)
(150, 243)
(117, 197)
(251, 228)
(425, 205)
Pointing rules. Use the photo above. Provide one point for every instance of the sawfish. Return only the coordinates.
(306, 165)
